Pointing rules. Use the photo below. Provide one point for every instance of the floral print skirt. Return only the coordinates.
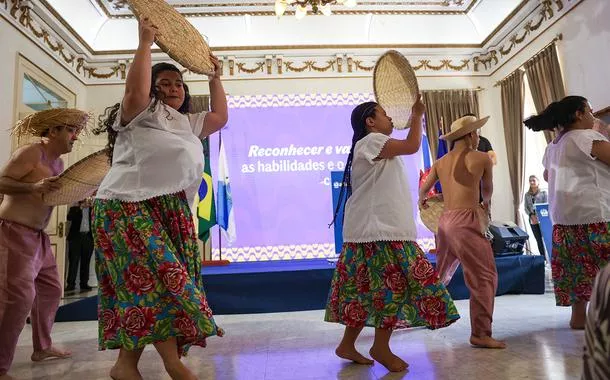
(388, 285)
(578, 254)
(149, 272)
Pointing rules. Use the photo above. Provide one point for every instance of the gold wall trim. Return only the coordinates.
(542, 15)
(93, 52)
(68, 27)
(560, 6)
(31, 38)
(278, 66)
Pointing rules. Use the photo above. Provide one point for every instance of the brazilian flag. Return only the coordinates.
(206, 209)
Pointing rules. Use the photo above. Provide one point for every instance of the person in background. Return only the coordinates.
(533, 196)
(80, 244)
(485, 147)
(577, 168)
(29, 280)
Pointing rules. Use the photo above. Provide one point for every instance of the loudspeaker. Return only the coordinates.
(508, 238)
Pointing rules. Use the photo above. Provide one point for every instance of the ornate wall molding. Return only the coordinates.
(297, 63)
(545, 15)
(21, 15)
(286, 65)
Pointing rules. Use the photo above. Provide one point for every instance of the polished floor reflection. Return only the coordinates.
(300, 346)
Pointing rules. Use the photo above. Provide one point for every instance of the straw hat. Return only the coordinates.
(396, 87)
(80, 180)
(463, 126)
(431, 215)
(177, 37)
(38, 123)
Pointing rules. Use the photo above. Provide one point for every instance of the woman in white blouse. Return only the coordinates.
(577, 168)
(147, 258)
(383, 279)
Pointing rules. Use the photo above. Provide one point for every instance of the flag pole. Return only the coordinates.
(220, 261)
(219, 234)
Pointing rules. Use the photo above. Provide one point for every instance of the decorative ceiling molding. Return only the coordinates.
(546, 14)
(92, 52)
(117, 9)
(287, 65)
(93, 70)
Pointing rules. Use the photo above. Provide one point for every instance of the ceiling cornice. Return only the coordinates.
(297, 61)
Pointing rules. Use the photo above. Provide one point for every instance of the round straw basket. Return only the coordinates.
(432, 214)
(396, 87)
(80, 180)
(177, 37)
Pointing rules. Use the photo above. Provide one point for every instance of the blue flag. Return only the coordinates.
(440, 152)
(224, 209)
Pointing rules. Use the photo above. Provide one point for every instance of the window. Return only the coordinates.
(535, 145)
(37, 91)
(38, 97)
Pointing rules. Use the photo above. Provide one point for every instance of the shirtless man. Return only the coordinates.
(30, 281)
(460, 232)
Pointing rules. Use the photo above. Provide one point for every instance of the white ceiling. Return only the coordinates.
(108, 26)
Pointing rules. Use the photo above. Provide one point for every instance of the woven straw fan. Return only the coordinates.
(396, 87)
(431, 215)
(80, 180)
(177, 37)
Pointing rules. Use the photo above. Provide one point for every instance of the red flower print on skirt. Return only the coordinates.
(173, 276)
(185, 324)
(354, 314)
(139, 279)
(362, 279)
(432, 309)
(423, 271)
(138, 321)
(111, 322)
(394, 278)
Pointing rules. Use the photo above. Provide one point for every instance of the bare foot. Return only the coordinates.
(577, 322)
(50, 353)
(178, 371)
(577, 325)
(386, 358)
(350, 353)
(120, 372)
(486, 342)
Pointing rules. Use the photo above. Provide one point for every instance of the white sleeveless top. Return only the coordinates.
(380, 207)
(157, 153)
(579, 184)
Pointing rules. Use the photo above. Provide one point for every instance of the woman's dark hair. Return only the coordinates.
(359, 115)
(108, 118)
(557, 114)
